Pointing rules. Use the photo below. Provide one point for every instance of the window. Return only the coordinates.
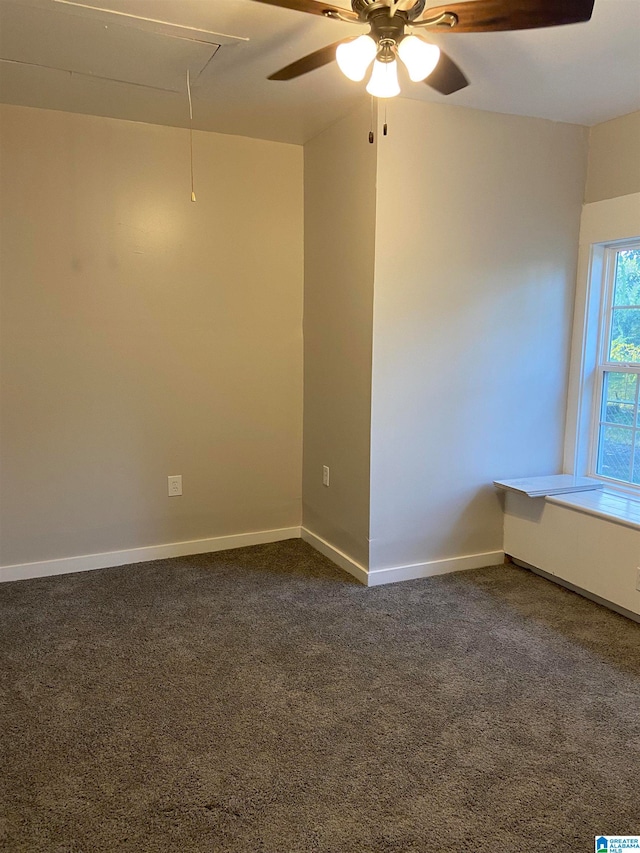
(615, 433)
(602, 436)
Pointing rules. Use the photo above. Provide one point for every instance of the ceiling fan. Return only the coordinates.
(391, 24)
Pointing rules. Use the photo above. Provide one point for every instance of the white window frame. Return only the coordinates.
(606, 270)
(608, 224)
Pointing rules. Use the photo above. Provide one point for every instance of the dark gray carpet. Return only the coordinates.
(260, 700)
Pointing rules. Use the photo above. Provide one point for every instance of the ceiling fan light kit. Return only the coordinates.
(388, 33)
(355, 57)
(391, 38)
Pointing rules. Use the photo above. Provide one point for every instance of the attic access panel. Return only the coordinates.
(91, 45)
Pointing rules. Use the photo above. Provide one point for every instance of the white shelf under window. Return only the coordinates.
(556, 484)
(603, 504)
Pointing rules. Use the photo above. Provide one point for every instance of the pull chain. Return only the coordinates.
(384, 126)
(371, 136)
(193, 194)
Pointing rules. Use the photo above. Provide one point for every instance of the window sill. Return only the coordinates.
(602, 503)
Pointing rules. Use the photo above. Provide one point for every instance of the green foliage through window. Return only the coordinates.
(619, 431)
(625, 325)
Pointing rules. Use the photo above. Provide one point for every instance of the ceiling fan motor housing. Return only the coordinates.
(364, 9)
(386, 29)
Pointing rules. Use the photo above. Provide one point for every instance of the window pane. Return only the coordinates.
(619, 413)
(620, 387)
(625, 335)
(625, 319)
(619, 419)
(618, 424)
(614, 452)
(636, 462)
(627, 281)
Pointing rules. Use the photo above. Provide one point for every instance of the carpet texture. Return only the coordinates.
(260, 700)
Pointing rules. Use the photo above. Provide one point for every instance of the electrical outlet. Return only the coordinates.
(175, 485)
(325, 475)
(638, 579)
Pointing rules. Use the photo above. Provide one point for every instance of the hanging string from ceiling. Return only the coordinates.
(371, 136)
(193, 193)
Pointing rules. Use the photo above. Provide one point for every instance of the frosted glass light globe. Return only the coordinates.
(419, 56)
(354, 57)
(384, 80)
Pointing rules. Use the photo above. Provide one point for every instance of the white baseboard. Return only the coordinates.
(376, 577)
(85, 563)
(434, 567)
(335, 555)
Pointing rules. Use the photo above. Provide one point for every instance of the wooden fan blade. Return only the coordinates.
(485, 16)
(446, 77)
(312, 7)
(308, 63)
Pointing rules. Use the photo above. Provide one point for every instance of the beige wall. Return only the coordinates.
(476, 245)
(143, 335)
(614, 158)
(340, 174)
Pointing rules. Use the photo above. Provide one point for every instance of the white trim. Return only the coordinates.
(151, 25)
(87, 562)
(434, 567)
(606, 284)
(110, 559)
(335, 555)
(377, 577)
(611, 222)
(586, 324)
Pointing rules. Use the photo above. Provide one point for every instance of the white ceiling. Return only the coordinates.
(60, 56)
